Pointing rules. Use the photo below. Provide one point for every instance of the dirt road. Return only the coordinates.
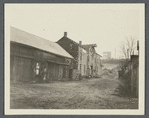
(96, 93)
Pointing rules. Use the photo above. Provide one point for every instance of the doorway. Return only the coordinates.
(70, 74)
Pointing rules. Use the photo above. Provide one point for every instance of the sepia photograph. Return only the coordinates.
(74, 59)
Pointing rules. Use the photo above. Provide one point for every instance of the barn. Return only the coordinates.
(34, 59)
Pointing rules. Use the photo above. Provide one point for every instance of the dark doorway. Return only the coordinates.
(70, 74)
(91, 70)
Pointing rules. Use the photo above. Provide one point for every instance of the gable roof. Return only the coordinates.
(64, 37)
(98, 54)
(87, 46)
(23, 37)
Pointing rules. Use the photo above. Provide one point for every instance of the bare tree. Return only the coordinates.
(127, 48)
(123, 49)
(131, 44)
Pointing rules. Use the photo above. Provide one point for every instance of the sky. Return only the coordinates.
(106, 25)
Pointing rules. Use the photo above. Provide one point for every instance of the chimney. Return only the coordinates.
(80, 42)
(65, 34)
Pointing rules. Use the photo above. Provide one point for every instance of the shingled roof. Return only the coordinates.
(23, 37)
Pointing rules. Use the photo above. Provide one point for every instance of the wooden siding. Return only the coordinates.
(21, 69)
(24, 59)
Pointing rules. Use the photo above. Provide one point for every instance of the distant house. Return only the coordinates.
(33, 58)
(106, 55)
(79, 54)
(94, 66)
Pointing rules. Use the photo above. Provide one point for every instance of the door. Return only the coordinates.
(91, 70)
(51, 70)
(65, 72)
(70, 74)
(26, 69)
(44, 71)
(22, 69)
(56, 71)
(60, 72)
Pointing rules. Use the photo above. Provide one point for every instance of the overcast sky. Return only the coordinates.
(104, 25)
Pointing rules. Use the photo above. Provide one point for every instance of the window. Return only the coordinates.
(37, 68)
(80, 68)
(71, 46)
(80, 56)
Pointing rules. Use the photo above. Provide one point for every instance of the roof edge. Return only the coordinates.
(43, 50)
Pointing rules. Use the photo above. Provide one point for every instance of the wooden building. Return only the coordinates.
(36, 59)
(79, 54)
